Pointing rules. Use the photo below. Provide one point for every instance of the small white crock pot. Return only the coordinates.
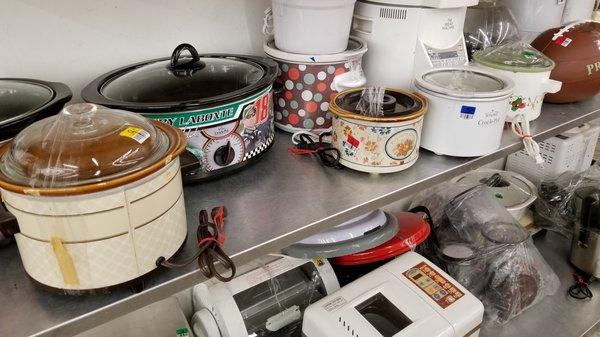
(529, 70)
(467, 110)
(97, 195)
(515, 192)
(383, 144)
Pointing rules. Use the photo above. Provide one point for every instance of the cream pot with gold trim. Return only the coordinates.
(377, 130)
(97, 195)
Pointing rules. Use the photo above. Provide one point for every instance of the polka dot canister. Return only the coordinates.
(306, 83)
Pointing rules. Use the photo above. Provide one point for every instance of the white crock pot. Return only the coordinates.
(312, 26)
(467, 110)
(97, 195)
(378, 144)
(515, 192)
(530, 71)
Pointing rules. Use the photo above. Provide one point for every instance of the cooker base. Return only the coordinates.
(194, 177)
(136, 285)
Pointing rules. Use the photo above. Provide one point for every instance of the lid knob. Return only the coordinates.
(185, 68)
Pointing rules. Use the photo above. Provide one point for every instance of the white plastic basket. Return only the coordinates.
(572, 151)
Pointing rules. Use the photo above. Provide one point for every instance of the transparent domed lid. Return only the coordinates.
(83, 144)
(516, 56)
(510, 189)
(465, 82)
(19, 97)
(183, 78)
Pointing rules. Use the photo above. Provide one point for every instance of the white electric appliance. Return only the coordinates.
(536, 16)
(577, 10)
(408, 297)
(268, 300)
(408, 36)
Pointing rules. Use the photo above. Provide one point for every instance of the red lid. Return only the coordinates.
(412, 230)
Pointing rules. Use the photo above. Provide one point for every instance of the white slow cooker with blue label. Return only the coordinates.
(467, 110)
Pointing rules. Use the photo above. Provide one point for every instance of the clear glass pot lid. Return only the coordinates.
(511, 190)
(465, 82)
(83, 144)
(19, 97)
(515, 56)
(183, 78)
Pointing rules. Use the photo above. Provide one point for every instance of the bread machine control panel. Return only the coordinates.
(448, 57)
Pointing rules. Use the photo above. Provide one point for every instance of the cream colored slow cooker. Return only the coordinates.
(97, 194)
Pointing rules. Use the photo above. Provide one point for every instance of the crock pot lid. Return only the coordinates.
(412, 231)
(395, 103)
(465, 82)
(19, 97)
(349, 230)
(183, 78)
(514, 190)
(331, 250)
(356, 48)
(516, 56)
(498, 233)
(83, 144)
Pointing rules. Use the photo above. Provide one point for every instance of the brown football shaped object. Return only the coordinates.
(575, 49)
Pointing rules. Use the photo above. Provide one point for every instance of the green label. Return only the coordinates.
(196, 119)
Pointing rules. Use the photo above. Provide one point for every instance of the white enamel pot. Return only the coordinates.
(530, 88)
(312, 26)
(463, 121)
(384, 144)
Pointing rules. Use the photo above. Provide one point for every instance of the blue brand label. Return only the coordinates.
(467, 112)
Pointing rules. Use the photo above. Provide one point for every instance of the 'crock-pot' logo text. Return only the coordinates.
(490, 118)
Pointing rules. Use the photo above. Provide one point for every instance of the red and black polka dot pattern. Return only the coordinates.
(307, 89)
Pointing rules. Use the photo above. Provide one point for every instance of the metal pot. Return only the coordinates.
(223, 102)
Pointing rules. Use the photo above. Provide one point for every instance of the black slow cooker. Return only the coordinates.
(24, 101)
(222, 101)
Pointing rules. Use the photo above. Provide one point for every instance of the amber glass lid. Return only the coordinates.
(83, 144)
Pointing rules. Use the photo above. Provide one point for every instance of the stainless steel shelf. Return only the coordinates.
(276, 202)
(558, 315)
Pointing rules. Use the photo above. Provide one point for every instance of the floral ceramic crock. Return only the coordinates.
(385, 143)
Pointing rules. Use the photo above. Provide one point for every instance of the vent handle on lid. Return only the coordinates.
(178, 63)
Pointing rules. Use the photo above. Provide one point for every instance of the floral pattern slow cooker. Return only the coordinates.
(379, 144)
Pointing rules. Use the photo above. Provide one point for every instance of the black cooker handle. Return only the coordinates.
(192, 64)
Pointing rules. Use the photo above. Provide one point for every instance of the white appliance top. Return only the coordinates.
(408, 297)
(349, 230)
(426, 3)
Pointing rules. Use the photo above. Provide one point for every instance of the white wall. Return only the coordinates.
(74, 41)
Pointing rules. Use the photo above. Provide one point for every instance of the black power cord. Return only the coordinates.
(210, 241)
(580, 290)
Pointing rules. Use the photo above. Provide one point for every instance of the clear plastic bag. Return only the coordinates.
(489, 23)
(554, 209)
(480, 244)
(371, 102)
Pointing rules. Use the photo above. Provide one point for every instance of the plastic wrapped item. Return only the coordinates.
(372, 100)
(83, 144)
(489, 23)
(554, 207)
(267, 300)
(413, 229)
(480, 244)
